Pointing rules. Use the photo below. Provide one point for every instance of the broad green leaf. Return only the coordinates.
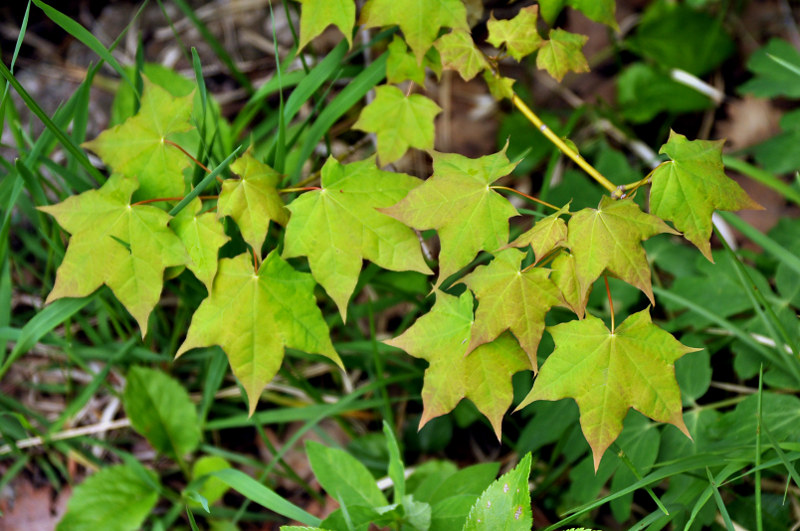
(506, 504)
(137, 148)
(401, 65)
(116, 498)
(441, 337)
(644, 90)
(674, 35)
(399, 121)
(343, 476)
(338, 226)
(511, 299)
(519, 34)
(471, 480)
(689, 188)
(598, 10)
(213, 488)
(253, 316)
(252, 200)
(601, 11)
(420, 20)
(770, 78)
(134, 242)
(608, 372)
(545, 235)
(458, 52)
(610, 237)
(202, 235)
(561, 53)
(316, 15)
(459, 203)
(160, 409)
(500, 87)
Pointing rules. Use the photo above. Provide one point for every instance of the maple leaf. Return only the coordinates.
(202, 235)
(337, 226)
(608, 372)
(317, 15)
(563, 275)
(136, 147)
(253, 316)
(500, 87)
(609, 238)
(458, 202)
(441, 337)
(399, 121)
(252, 201)
(401, 65)
(420, 20)
(562, 53)
(519, 34)
(545, 235)
(510, 299)
(458, 52)
(126, 247)
(689, 188)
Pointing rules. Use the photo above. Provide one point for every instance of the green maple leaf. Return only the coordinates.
(401, 65)
(252, 201)
(126, 247)
(420, 20)
(338, 226)
(609, 237)
(253, 316)
(689, 188)
(136, 147)
(441, 338)
(399, 121)
(564, 276)
(545, 235)
(519, 34)
(608, 372)
(562, 53)
(500, 87)
(510, 299)
(458, 52)
(202, 235)
(317, 15)
(458, 202)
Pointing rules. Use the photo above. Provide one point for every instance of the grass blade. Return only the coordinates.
(204, 183)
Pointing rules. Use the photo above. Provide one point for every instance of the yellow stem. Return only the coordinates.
(560, 144)
(530, 197)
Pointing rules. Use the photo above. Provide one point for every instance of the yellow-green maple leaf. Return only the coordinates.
(519, 34)
(608, 372)
(420, 20)
(610, 237)
(500, 87)
(254, 316)
(124, 246)
(202, 235)
(545, 235)
(136, 148)
(562, 53)
(564, 276)
(401, 65)
(338, 226)
(511, 299)
(689, 188)
(458, 52)
(459, 203)
(399, 122)
(484, 376)
(252, 200)
(316, 15)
